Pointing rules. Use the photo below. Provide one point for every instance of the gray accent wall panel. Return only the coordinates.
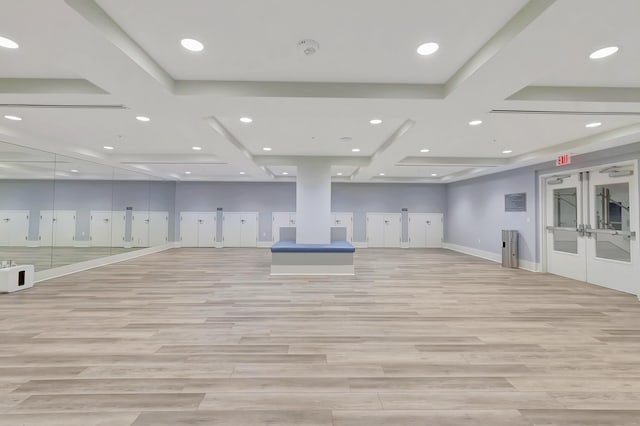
(476, 216)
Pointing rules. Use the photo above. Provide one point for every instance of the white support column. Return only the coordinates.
(313, 202)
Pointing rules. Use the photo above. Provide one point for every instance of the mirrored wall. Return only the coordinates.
(57, 210)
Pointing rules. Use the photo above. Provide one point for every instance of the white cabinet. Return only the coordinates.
(279, 220)
(240, 229)
(198, 229)
(384, 229)
(343, 220)
(149, 228)
(158, 228)
(425, 230)
(14, 227)
(57, 228)
(118, 228)
(100, 228)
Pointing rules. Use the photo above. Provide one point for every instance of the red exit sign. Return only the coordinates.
(563, 160)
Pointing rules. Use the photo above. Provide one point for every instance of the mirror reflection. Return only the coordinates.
(612, 213)
(566, 216)
(57, 210)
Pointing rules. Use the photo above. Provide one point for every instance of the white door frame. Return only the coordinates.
(542, 200)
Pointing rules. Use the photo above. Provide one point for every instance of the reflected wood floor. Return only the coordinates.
(417, 337)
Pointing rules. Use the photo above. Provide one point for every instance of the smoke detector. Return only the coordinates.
(308, 46)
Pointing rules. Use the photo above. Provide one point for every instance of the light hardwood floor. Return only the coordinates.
(417, 337)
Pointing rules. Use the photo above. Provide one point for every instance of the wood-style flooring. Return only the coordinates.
(417, 337)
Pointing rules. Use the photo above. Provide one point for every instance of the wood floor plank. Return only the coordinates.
(416, 337)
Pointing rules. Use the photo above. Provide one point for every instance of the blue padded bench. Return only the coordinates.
(289, 258)
(292, 247)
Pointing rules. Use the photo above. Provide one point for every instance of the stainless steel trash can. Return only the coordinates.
(510, 248)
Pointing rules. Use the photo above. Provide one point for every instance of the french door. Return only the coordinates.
(591, 226)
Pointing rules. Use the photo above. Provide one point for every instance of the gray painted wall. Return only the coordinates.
(476, 213)
(475, 207)
(361, 198)
(266, 198)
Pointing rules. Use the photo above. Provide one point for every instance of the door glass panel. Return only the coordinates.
(612, 213)
(565, 202)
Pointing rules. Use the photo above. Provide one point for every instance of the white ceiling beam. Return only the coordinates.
(453, 161)
(294, 160)
(103, 23)
(577, 94)
(503, 37)
(49, 86)
(308, 90)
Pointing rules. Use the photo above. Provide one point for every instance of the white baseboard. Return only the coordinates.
(86, 243)
(265, 244)
(359, 244)
(494, 257)
(33, 243)
(404, 244)
(94, 263)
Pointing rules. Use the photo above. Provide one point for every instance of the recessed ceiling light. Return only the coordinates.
(246, 120)
(74, 171)
(427, 48)
(13, 117)
(196, 148)
(266, 148)
(143, 118)
(594, 124)
(339, 173)
(434, 174)
(242, 173)
(424, 150)
(475, 123)
(187, 173)
(375, 121)
(108, 147)
(507, 151)
(8, 43)
(285, 173)
(355, 150)
(381, 174)
(604, 52)
(192, 44)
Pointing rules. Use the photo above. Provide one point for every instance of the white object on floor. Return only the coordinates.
(16, 278)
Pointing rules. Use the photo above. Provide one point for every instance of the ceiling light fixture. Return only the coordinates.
(108, 147)
(285, 173)
(475, 122)
(375, 121)
(604, 52)
(8, 43)
(143, 118)
(426, 49)
(594, 124)
(339, 173)
(424, 150)
(381, 174)
(196, 148)
(355, 150)
(187, 173)
(192, 45)
(266, 148)
(74, 171)
(507, 151)
(246, 120)
(242, 173)
(13, 117)
(434, 174)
